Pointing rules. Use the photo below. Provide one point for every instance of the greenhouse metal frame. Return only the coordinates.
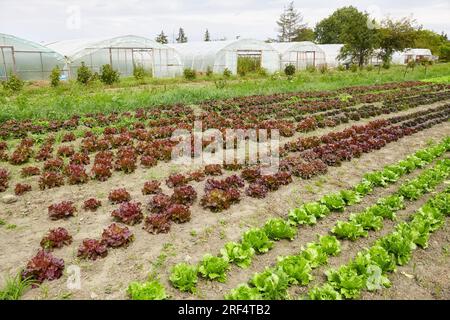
(302, 54)
(27, 59)
(218, 56)
(122, 53)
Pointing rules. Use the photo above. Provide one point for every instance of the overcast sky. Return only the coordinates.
(51, 20)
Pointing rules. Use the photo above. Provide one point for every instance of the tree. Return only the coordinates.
(331, 30)
(350, 27)
(430, 40)
(289, 23)
(207, 37)
(181, 36)
(395, 35)
(162, 38)
(305, 34)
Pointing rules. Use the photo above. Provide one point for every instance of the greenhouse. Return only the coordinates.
(27, 59)
(332, 52)
(122, 53)
(232, 55)
(412, 55)
(300, 54)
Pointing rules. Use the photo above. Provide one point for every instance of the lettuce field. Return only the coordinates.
(94, 207)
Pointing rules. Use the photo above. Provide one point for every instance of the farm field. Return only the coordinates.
(358, 208)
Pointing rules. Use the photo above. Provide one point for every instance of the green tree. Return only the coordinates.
(55, 76)
(305, 34)
(181, 36)
(349, 26)
(395, 35)
(207, 36)
(430, 40)
(108, 75)
(162, 38)
(289, 23)
(84, 74)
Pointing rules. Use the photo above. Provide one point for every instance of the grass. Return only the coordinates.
(71, 99)
(15, 287)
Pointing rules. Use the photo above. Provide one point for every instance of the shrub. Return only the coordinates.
(323, 68)
(227, 73)
(369, 67)
(354, 68)
(341, 67)
(55, 76)
(84, 74)
(139, 72)
(56, 238)
(13, 83)
(43, 266)
(189, 74)
(108, 75)
(289, 70)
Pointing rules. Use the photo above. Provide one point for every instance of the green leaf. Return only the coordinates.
(214, 268)
(277, 228)
(367, 220)
(346, 281)
(315, 254)
(297, 268)
(348, 230)
(330, 245)
(300, 216)
(184, 277)
(272, 283)
(325, 292)
(244, 292)
(151, 290)
(334, 202)
(258, 240)
(237, 253)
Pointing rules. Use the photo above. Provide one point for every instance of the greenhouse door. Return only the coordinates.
(306, 59)
(7, 62)
(144, 57)
(248, 61)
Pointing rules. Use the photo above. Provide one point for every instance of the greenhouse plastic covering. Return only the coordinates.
(300, 54)
(221, 55)
(27, 59)
(123, 53)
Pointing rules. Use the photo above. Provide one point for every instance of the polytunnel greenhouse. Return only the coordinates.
(220, 55)
(300, 54)
(332, 52)
(27, 59)
(122, 53)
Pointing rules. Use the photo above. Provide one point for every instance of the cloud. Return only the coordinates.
(46, 20)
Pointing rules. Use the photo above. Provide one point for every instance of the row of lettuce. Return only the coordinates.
(184, 276)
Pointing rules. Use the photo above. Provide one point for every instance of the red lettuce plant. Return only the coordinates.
(56, 238)
(213, 170)
(54, 165)
(80, 158)
(197, 175)
(129, 213)
(101, 171)
(43, 266)
(50, 180)
(148, 161)
(176, 180)
(251, 174)
(68, 137)
(61, 210)
(184, 195)
(151, 187)
(65, 151)
(30, 171)
(216, 200)
(91, 204)
(235, 181)
(116, 236)
(257, 190)
(21, 188)
(119, 195)
(76, 174)
(179, 213)
(126, 160)
(157, 223)
(4, 177)
(92, 249)
(159, 203)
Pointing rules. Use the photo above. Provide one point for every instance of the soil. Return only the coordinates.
(207, 232)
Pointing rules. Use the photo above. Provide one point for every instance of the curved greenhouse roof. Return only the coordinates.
(332, 52)
(221, 55)
(300, 54)
(122, 53)
(28, 59)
